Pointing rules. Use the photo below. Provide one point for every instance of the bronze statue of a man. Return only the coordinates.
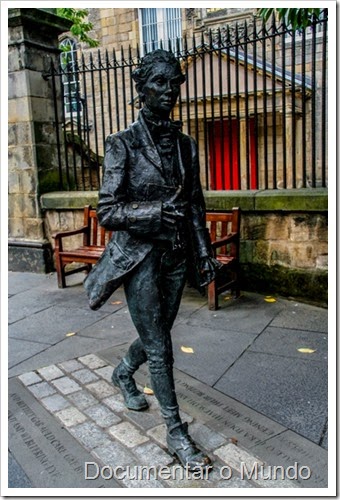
(151, 197)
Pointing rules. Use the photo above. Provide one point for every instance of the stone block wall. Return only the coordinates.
(115, 28)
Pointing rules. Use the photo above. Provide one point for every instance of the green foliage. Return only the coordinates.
(296, 18)
(80, 26)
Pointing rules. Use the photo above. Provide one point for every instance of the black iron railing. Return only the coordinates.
(255, 100)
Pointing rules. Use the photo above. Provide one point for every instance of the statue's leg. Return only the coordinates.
(149, 296)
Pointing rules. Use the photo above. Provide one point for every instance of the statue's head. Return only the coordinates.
(158, 80)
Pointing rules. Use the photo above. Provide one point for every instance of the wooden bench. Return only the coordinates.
(95, 239)
(224, 231)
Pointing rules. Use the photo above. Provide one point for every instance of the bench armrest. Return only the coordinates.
(72, 232)
(230, 238)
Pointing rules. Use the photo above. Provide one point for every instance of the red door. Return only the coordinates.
(224, 160)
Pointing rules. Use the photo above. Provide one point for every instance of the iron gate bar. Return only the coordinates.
(221, 107)
(187, 55)
(254, 44)
(205, 128)
(265, 115)
(323, 104)
(212, 103)
(304, 129)
(293, 114)
(274, 179)
(237, 66)
(94, 119)
(101, 98)
(283, 114)
(195, 88)
(246, 96)
(109, 89)
(314, 85)
(230, 123)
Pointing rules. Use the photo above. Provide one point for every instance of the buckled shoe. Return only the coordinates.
(181, 444)
(122, 378)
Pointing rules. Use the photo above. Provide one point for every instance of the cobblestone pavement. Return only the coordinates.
(79, 393)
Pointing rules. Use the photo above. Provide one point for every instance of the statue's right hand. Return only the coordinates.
(174, 211)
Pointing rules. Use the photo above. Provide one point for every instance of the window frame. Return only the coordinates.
(164, 25)
(71, 98)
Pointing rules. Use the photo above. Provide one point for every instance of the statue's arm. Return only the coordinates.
(115, 211)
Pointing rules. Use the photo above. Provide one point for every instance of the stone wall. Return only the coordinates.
(284, 237)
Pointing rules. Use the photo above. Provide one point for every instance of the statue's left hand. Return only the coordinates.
(208, 267)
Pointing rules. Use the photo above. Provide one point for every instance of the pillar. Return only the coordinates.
(32, 41)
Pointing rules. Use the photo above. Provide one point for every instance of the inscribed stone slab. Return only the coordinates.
(288, 448)
(48, 454)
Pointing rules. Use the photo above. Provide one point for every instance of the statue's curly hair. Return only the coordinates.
(141, 74)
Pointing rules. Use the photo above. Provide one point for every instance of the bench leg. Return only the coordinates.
(212, 296)
(60, 273)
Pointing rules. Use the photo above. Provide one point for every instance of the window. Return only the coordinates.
(158, 25)
(71, 83)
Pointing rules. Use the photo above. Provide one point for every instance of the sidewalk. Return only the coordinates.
(246, 390)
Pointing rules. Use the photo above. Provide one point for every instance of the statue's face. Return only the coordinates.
(162, 88)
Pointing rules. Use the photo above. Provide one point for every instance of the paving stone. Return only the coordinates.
(92, 361)
(301, 408)
(225, 478)
(116, 403)
(55, 317)
(29, 378)
(102, 415)
(208, 439)
(41, 390)
(127, 434)
(223, 346)
(50, 372)
(64, 349)
(113, 454)
(286, 342)
(101, 389)
(66, 385)
(85, 376)
(71, 365)
(20, 353)
(302, 317)
(273, 477)
(234, 456)
(90, 435)
(158, 433)
(105, 372)
(186, 417)
(178, 477)
(142, 483)
(287, 448)
(16, 475)
(145, 419)
(55, 403)
(82, 399)
(151, 454)
(71, 416)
